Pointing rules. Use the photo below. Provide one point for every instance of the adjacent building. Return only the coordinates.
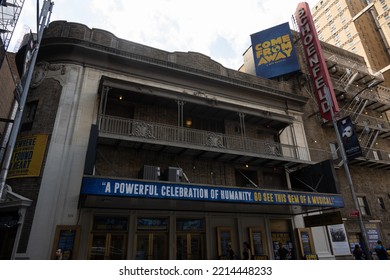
(361, 27)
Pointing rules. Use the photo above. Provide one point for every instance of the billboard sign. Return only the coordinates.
(273, 51)
(316, 61)
(27, 157)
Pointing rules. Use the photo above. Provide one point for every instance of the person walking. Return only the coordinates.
(380, 251)
(246, 252)
(283, 252)
(358, 253)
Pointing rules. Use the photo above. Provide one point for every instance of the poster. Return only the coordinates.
(257, 243)
(224, 239)
(349, 138)
(28, 156)
(67, 239)
(339, 240)
(373, 235)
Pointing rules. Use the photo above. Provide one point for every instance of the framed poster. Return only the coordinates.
(224, 238)
(256, 241)
(339, 240)
(306, 242)
(285, 239)
(67, 239)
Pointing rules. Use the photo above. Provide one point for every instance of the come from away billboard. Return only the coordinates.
(274, 52)
(169, 190)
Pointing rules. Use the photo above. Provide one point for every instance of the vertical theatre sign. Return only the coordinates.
(28, 156)
(316, 61)
(273, 51)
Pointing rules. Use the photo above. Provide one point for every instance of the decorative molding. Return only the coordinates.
(44, 70)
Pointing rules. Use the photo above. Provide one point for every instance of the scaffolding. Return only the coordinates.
(9, 14)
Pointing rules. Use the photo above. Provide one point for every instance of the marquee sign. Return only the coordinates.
(181, 191)
(316, 61)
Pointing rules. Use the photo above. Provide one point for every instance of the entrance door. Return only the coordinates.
(152, 246)
(108, 246)
(190, 246)
(7, 240)
(190, 239)
(8, 229)
(108, 238)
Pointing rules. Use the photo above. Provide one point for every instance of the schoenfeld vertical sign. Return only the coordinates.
(316, 61)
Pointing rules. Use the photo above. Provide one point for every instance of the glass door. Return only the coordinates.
(109, 246)
(152, 246)
(152, 238)
(108, 238)
(190, 247)
(190, 239)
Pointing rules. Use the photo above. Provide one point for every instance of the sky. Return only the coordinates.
(220, 29)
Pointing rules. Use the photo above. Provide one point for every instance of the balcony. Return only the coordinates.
(193, 142)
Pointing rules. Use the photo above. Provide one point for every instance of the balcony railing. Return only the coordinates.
(199, 139)
(154, 132)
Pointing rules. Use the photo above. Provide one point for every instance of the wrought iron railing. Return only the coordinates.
(156, 132)
(153, 132)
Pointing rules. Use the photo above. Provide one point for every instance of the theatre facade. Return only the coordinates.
(148, 154)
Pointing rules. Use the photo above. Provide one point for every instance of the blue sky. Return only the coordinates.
(220, 29)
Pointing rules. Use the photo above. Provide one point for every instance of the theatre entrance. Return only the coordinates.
(190, 239)
(108, 239)
(152, 239)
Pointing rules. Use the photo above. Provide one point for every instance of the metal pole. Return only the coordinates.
(348, 174)
(44, 21)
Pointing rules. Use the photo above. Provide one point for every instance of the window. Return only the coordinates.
(381, 203)
(29, 115)
(246, 178)
(363, 206)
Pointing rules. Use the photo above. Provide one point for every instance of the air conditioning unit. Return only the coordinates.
(149, 172)
(173, 174)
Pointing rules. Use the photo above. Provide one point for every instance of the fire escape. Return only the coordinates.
(364, 101)
(9, 14)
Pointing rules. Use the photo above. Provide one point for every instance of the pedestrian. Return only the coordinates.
(230, 252)
(358, 253)
(380, 251)
(283, 252)
(59, 254)
(246, 252)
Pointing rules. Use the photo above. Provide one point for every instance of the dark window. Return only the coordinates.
(381, 203)
(29, 115)
(206, 124)
(363, 206)
(246, 178)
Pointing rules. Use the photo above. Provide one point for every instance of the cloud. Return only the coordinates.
(220, 29)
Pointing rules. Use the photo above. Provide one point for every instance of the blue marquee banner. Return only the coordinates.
(169, 190)
(273, 51)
